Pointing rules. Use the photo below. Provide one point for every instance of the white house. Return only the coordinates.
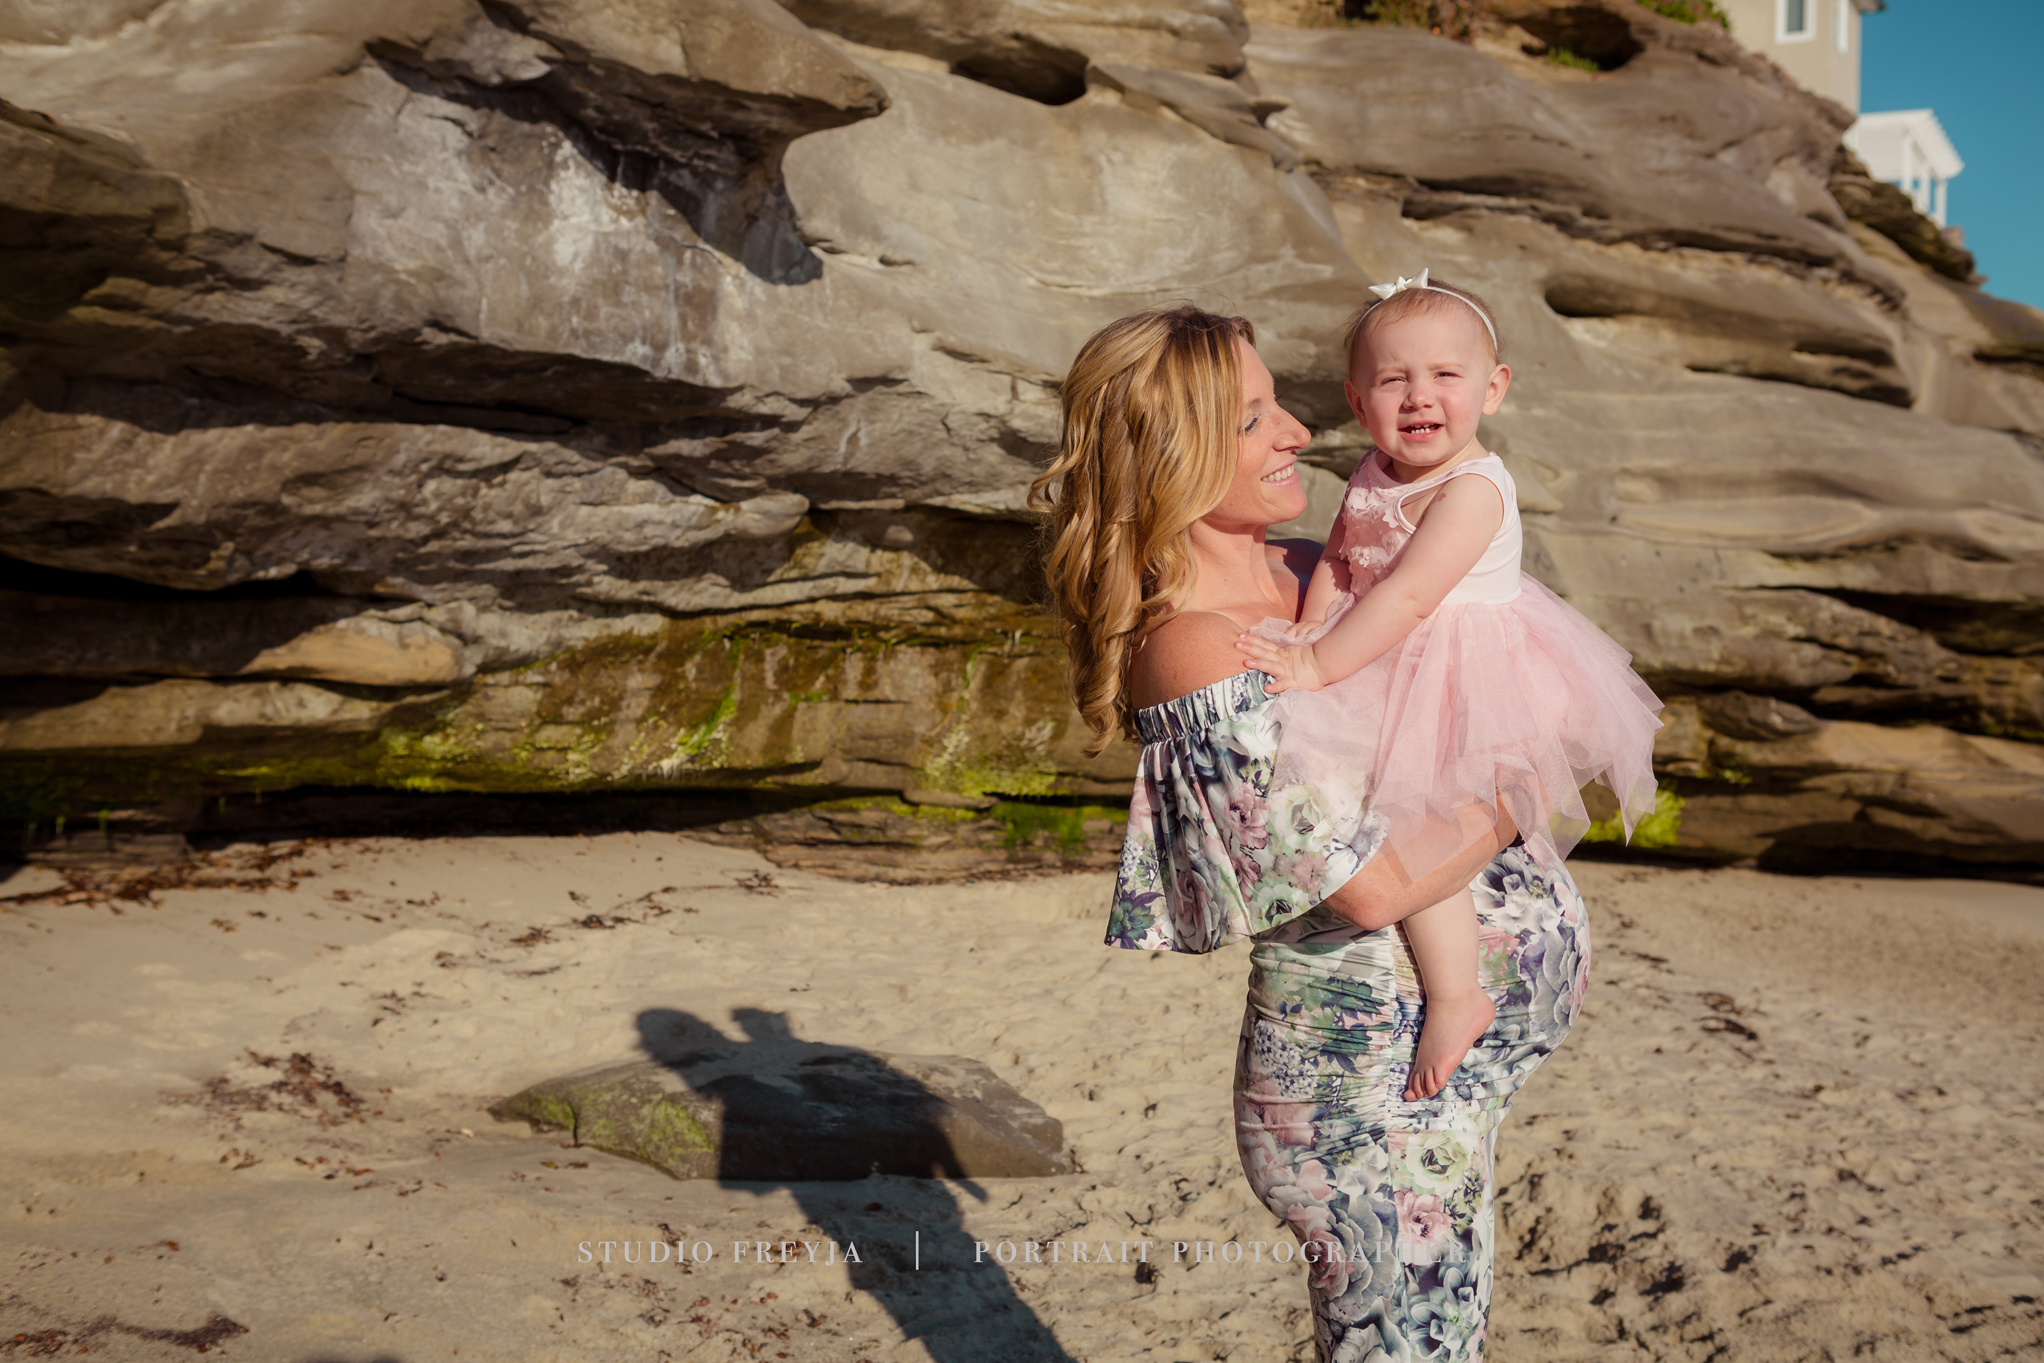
(1908, 148)
(1818, 43)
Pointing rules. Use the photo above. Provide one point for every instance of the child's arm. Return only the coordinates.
(1457, 527)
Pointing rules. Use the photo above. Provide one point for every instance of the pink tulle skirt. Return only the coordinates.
(1481, 708)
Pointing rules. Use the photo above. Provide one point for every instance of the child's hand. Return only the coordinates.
(1290, 668)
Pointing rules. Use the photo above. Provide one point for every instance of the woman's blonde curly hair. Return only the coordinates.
(1147, 447)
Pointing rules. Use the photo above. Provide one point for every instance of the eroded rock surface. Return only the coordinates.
(574, 394)
(928, 836)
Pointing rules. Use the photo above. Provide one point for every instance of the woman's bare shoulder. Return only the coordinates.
(1189, 651)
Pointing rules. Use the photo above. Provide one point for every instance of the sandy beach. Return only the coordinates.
(1797, 1121)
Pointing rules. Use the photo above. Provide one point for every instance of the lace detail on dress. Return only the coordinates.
(1371, 535)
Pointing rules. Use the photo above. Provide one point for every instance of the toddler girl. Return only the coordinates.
(1456, 682)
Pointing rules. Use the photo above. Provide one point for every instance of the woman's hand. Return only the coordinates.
(1292, 667)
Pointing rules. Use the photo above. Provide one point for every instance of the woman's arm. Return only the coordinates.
(1458, 526)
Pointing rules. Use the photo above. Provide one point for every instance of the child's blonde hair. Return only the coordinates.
(1438, 295)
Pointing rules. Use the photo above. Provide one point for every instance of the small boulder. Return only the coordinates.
(803, 1113)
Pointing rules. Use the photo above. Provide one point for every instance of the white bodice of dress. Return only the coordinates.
(1375, 529)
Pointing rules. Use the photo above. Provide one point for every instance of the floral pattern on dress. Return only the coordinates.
(1214, 853)
(1391, 1201)
(1397, 1196)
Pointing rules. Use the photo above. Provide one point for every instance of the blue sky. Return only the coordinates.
(1980, 65)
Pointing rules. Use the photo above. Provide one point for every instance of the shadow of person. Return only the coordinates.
(859, 1146)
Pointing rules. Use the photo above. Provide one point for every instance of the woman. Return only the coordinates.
(1174, 459)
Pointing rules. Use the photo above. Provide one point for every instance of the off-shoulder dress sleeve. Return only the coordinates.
(1214, 853)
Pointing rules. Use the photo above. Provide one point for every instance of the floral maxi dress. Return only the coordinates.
(1390, 1200)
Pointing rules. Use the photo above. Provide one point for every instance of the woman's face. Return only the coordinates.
(1266, 487)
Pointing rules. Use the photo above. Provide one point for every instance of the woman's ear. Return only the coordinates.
(1494, 395)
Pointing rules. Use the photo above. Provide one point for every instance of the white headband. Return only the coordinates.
(1384, 291)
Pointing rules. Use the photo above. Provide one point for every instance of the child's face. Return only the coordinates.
(1422, 383)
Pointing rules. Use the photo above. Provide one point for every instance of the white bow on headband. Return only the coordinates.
(1384, 291)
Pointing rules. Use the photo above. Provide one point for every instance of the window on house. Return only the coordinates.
(1841, 24)
(1795, 19)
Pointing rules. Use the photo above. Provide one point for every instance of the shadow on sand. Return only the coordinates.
(916, 1255)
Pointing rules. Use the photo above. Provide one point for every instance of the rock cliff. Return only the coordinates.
(568, 395)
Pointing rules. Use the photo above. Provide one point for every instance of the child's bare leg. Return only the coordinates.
(1443, 938)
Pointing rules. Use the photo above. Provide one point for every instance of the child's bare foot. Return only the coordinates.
(1453, 1023)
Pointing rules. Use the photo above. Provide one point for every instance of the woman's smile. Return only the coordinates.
(1267, 437)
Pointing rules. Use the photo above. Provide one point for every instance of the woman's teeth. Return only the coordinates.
(1282, 475)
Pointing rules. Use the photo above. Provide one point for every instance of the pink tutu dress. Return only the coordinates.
(1504, 696)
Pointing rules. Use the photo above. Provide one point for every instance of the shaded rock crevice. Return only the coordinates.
(2014, 628)
(76, 207)
(1893, 214)
(727, 188)
(1041, 51)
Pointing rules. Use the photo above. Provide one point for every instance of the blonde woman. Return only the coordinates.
(1174, 459)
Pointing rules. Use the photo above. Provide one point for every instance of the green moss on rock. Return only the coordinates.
(1064, 826)
(725, 703)
(1691, 11)
(623, 1111)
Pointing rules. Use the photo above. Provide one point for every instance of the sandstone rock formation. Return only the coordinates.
(584, 394)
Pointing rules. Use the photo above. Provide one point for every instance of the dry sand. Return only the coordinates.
(1799, 1120)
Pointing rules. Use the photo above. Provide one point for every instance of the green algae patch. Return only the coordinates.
(1561, 56)
(899, 808)
(36, 792)
(1010, 729)
(670, 1134)
(993, 777)
(1064, 826)
(691, 742)
(547, 1112)
(625, 1110)
(1661, 827)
